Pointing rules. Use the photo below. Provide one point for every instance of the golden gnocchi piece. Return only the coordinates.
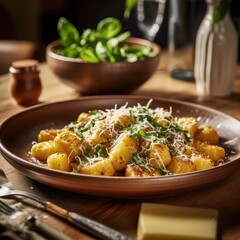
(43, 150)
(207, 133)
(162, 121)
(68, 142)
(122, 151)
(202, 162)
(48, 134)
(159, 155)
(125, 120)
(178, 165)
(83, 117)
(103, 168)
(136, 171)
(189, 124)
(99, 133)
(214, 152)
(59, 161)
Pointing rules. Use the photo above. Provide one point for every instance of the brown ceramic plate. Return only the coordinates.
(18, 131)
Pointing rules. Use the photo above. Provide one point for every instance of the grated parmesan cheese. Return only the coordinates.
(141, 122)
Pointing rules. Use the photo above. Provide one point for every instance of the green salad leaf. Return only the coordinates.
(103, 44)
(109, 27)
(67, 32)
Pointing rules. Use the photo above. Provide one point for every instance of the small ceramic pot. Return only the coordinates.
(25, 84)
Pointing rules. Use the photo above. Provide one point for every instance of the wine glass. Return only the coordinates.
(150, 16)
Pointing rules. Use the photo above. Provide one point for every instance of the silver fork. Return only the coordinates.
(20, 221)
(95, 228)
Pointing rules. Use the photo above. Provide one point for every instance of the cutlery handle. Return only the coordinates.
(95, 228)
(45, 230)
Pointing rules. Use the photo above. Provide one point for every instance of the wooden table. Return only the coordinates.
(123, 213)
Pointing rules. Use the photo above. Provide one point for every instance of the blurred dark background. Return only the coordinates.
(36, 20)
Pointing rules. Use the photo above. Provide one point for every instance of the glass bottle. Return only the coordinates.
(215, 54)
(25, 84)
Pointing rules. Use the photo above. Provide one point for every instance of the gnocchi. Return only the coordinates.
(128, 141)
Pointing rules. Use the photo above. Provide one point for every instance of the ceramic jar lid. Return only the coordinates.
(26, 65)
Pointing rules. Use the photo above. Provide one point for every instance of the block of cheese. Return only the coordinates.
(167, 222)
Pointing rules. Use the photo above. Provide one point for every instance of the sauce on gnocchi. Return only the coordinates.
(135, 141)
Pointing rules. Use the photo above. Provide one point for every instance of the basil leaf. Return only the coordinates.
(123, 36)
(101, 52)
(88, 55)
(131, 57)
(67, 32)
(109, 27)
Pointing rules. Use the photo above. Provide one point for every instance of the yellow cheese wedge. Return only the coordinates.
(166, 222)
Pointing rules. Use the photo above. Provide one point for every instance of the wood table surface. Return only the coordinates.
(122, 214)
